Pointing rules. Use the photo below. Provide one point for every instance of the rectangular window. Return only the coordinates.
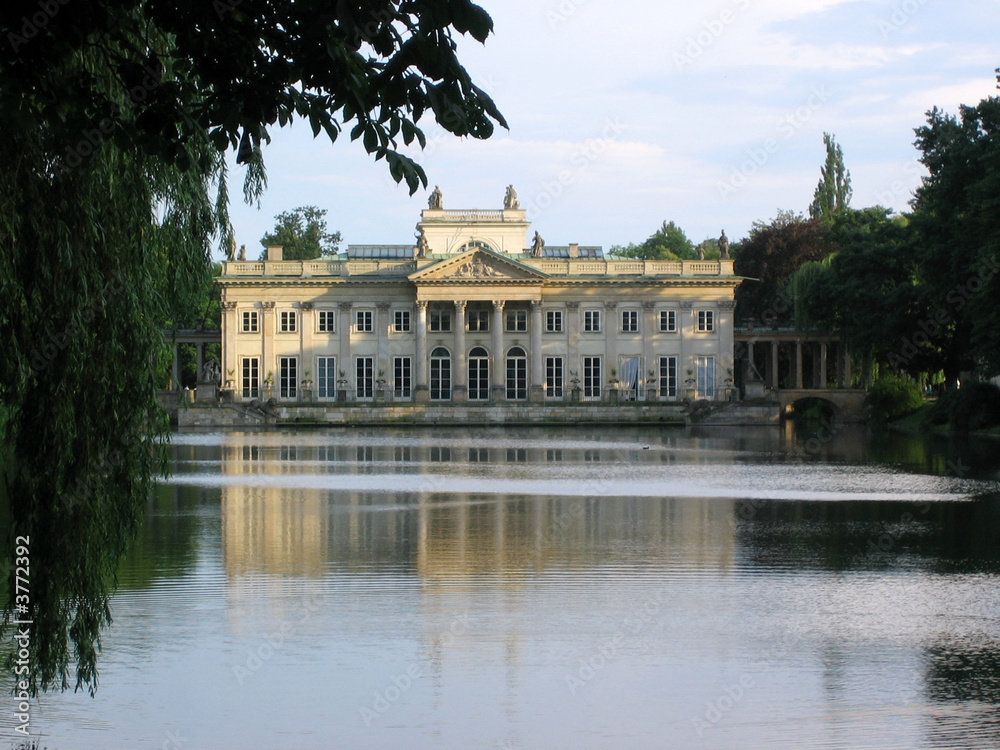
(517, 320)
(251, 377)
(440, 320)
(592, 377)
(554, 377)
(364, 321)
(327, 321)
(250, 321)
(286, 321)
(401, 321)
(479, 321)
(365, 377)
(668, 321)
(326, 377)
(630, 321)
(592, 321)
(402, 383)
(553, 321)
(668, 377)
(288, 376)
(705, 372)
(706, 321)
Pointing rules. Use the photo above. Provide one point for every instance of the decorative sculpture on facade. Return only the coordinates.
(436, 200)
(510, 198)
(723, 245)
(422, 247)
(536, 246)
(243, 253)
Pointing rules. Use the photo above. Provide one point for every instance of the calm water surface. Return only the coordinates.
(554, 588)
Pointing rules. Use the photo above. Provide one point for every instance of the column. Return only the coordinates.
(822, 365)
(499, 365)
(422, 391)
(382, 362)
(344, 364)
(610, 326)
(574, 365)
(460, 388)
(536, 393)
(177, 367)
(268, 363)
(798, 364)
(230, 328)
(650, 327)
(306, 359)
(200, 362)
(774, 365)
(847, 363)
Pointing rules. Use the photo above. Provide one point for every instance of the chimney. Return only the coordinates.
(274, 252)
(574, 249)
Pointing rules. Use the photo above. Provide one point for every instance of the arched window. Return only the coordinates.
(475, 245)
(479, 374)
(517, 374)
(440, 374)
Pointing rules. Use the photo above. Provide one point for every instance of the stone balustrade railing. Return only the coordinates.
(554, 267)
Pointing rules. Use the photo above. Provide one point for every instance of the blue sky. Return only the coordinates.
(625, 114)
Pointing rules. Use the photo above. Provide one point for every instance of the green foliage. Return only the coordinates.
(167, 74)
(769, 257)
(891, 397)
(833, 193)
(303, 234)
(974, 406)
(669, 242)
(956, 216)
(112, 192)
(870, 293)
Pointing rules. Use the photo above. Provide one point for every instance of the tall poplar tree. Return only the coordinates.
(833, 193)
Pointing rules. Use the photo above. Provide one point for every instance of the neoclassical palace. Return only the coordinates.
(476, 311)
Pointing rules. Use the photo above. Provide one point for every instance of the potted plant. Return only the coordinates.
(613, 385)
(307, 383)
(226, 392)
(342, 391)
(574, 387)
(650, 383)
(382, 391)
(689, 383)
(730, 385)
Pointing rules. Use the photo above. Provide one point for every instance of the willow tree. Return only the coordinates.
(117, 118)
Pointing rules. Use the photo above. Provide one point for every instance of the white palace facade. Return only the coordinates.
(475, 312)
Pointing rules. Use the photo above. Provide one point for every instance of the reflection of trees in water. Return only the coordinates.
(166, 541)
(964, 670)
(950, 537)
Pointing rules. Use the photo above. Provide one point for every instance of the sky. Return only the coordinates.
(626, 114)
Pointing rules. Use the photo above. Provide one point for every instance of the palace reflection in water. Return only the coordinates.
(850, 582)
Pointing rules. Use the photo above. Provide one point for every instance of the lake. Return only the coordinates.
(578, 587)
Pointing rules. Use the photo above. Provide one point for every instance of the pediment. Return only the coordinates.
(477, 266)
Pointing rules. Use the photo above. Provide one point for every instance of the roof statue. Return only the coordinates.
(701, 252)
(536, 246)
(510, 198)
(243, 253)
(435, 201)
(231, 250)
(723, 245)
(422, 246)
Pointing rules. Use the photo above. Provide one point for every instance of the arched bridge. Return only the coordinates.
(848, 403)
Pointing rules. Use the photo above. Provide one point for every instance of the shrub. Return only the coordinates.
(892, 397)
(974, 406)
